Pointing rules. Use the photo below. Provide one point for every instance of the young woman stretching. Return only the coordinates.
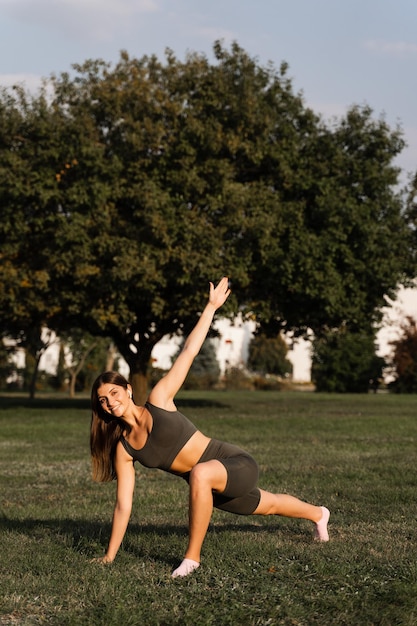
(157, 435)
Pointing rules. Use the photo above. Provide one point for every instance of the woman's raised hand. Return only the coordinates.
(220, 293)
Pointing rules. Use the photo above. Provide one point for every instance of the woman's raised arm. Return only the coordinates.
(163, 393)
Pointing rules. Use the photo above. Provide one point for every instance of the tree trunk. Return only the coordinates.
(76, 370)
(73, 379)
(139, 382)
(110, 357)
(34, 378)
(138, 361)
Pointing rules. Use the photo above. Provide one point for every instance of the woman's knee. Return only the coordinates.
(198, 474)
(210, 474)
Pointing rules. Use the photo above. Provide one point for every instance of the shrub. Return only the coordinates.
(268, 355)
(237, 379)
(404, 360)
(345, 362)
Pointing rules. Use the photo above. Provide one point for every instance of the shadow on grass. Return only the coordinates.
(10, 401)
(90, 538)
(200, 402)
(7, 402)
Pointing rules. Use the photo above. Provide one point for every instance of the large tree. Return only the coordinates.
(339, 240)
(29, 298)
(157, 177)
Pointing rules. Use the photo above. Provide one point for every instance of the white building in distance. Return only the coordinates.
(233, 342)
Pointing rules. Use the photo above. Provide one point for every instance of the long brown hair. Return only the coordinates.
(105, 431)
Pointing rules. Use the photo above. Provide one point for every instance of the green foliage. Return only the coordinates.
(236, 379)
(331, 261)
(126, 188)
(270, 383)
(268, 355)
(404, 359)
(345, 362)
(356, 454)
(154, 375)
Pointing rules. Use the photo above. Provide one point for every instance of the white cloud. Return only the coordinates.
(399, 49)
(96, 19)
(116, 7)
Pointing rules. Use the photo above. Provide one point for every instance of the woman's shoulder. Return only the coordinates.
(160, 401)
(121, 454)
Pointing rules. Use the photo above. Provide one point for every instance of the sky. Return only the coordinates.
(339, 52)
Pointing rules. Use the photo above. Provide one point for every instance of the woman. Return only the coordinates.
(157, 435)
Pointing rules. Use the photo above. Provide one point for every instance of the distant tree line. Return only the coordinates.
(124, 189)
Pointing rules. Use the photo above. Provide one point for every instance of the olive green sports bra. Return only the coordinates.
(170, 432)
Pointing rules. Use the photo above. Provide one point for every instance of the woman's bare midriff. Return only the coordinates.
(190, 454)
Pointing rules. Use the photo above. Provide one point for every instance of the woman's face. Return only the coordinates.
(113, 399)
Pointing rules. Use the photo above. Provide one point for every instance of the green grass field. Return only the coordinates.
(355, 454)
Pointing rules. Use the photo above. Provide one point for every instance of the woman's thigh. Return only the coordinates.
(212, 473)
